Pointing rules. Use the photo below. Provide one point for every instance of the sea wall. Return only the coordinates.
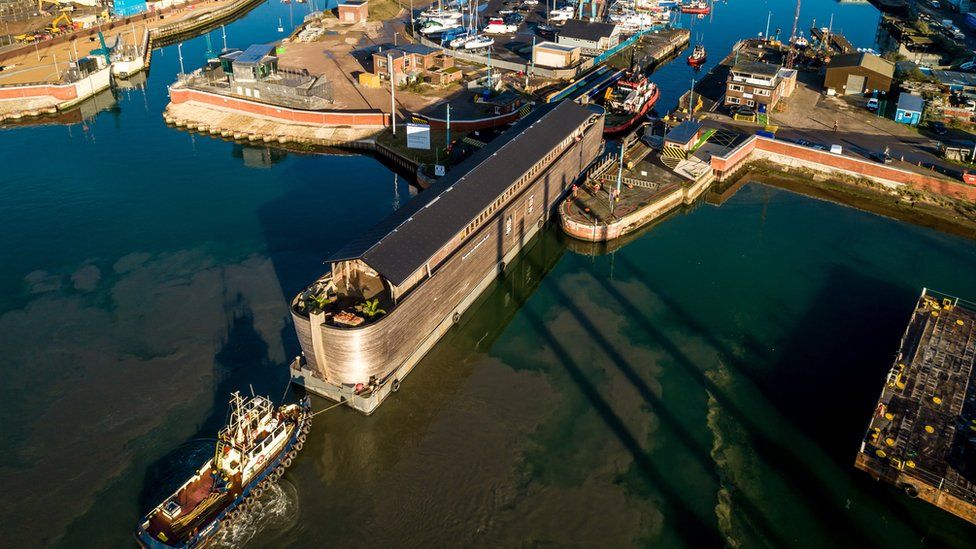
(659, 205)
(790, 155)
(359, 119)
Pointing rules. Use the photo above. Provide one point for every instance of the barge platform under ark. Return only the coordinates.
(393, 292)
(922, 435)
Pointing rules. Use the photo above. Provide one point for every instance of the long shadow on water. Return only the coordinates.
(786, 461)
(241, 361)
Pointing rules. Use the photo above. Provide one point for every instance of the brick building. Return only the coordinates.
(411, 62)
(354, 11)
(758, 85)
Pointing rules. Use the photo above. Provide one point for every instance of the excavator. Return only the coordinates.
(62, 23)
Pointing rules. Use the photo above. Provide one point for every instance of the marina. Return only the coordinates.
(678, 364)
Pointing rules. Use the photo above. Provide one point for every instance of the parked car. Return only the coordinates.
(880, 157)
(873, 104)
(836, 149)
(939, 128)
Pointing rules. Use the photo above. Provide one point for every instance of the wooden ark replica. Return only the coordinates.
(394, 291)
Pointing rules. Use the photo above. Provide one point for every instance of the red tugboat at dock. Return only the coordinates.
(698, 56)
(627, 101)
(253, 450)
(699, 7)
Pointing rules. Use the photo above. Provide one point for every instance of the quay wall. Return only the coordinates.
(64, 92)
(56, 96)
(368, 119)
(792, 155)
(667, 200)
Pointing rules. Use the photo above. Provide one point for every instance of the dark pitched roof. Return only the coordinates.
(866, 60)
(910, 102)
(403, 242)
(586, 30)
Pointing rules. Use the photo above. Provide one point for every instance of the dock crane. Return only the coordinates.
(791, 56)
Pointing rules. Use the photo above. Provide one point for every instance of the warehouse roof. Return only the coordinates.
(866, 60)
(586, 30)
(402, 243)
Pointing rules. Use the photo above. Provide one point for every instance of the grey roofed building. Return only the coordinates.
(755, 67)
(684, 132)
(254, 54)
(911, 103)
(403, 242)
(587, 34)
(586, 30)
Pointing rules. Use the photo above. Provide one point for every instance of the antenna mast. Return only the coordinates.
(791, 56)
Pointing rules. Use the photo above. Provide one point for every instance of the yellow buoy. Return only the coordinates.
(929, 429)
(910, 464)
(881, 453)
(890, 441)
(889, 416)
(960, 322)
(937, 400)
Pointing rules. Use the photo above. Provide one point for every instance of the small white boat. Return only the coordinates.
(434, 27)
(478, 42)
(497, 25)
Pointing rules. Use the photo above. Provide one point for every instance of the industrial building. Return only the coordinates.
(591, 36)
(557, 56)
(858, 73)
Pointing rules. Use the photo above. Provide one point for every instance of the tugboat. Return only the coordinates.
(700, 7)
(253, 450)
(698, 56)
(627, 101)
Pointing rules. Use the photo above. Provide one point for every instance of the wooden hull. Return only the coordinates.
(335, 359)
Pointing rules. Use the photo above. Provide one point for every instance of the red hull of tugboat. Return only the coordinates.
(696, 61)
(629, 123)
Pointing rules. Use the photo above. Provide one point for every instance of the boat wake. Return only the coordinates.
(275, 511)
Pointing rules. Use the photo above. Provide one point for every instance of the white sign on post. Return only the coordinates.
(418, 136)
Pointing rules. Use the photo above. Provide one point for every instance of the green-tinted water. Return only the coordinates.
(708, 382)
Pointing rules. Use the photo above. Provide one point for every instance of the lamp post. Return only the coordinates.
(389, 61)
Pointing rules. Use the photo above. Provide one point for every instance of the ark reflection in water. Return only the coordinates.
(425, 264)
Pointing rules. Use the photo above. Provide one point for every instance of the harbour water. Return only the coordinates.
(707, 383)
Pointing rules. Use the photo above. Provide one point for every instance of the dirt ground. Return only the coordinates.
(345, 51)
(45, 63)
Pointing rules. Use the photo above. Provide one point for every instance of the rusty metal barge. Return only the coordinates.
(393, 292)
(922, 436)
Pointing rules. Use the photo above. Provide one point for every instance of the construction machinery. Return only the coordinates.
(62, 23)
